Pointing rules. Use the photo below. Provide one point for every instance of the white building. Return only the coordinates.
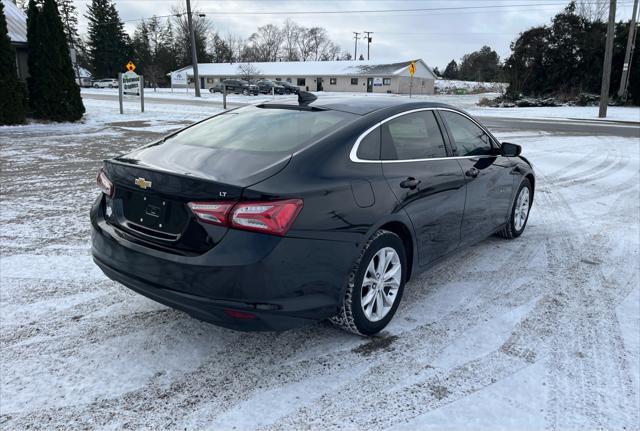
(17, 30)
(348, 76)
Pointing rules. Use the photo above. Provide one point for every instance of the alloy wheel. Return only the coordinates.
(380, 284)
(522, 209)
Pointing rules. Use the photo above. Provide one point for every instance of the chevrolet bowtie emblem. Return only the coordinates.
(142, 183)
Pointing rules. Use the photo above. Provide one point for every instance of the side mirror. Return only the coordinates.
(511, 150)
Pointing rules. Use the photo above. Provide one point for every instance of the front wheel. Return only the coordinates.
(245, 92)
(519, 214)
(375, 285)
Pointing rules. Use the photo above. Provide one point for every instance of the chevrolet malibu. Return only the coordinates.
(274, 215)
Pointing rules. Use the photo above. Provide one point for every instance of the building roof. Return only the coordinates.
(16, 22)
(311, 68)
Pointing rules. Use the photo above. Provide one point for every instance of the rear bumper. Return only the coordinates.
(284, 282)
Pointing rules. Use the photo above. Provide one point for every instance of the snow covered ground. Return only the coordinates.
(467, 102)
(542, 332)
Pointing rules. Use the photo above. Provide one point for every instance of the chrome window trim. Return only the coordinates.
(353, 155)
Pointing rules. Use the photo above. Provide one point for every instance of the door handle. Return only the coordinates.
(473, 172)
(410, 183)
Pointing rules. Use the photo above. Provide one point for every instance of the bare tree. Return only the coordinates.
(266, 42)
(305, 44)
(593, 10)
(290, 34)
(248, 71)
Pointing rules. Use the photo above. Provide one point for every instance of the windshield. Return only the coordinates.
(262, 129)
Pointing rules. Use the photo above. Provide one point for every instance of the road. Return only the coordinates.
(573, 126)
(577, 126)
(537, 333)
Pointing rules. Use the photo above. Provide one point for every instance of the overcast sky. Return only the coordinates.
(436, 36)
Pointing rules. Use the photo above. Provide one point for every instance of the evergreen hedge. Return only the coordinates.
(54, 93)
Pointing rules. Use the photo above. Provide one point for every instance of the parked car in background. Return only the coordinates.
(105, 83)
(237, 86)
(274, 215)
(289, 88)
(268, 87)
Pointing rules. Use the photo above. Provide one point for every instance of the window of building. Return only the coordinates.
(354, 81)
(386, 81)
(333, 81)
(210, 80)
(302, 82)
(289, 80)
(278, 79)
(412, 136)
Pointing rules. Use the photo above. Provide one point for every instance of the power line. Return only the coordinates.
(366, 11)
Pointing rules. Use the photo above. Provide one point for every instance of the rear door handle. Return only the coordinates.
(473, 172)
(410, 183)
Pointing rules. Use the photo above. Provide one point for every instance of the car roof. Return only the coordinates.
(363, 105)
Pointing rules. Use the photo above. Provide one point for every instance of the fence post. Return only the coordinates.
(120, 91)
(141, 93)
(224, 96)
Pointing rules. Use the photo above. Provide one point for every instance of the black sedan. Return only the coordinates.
(274, 215)
(237, 86)
(288, 87)
(269, 87)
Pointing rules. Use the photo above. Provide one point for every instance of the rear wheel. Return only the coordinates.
(245, 92)
(519, 212)
(375, 285)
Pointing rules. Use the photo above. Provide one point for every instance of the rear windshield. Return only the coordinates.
(262, 129)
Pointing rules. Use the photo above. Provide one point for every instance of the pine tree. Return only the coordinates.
(53, 91)
(12, 95)
(108, 43)
(451, 71)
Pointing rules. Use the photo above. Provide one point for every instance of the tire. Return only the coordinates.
(245, 92)
(96, 86)
(517, 221)
(352, 316)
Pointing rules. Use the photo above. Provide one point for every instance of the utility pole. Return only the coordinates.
(606, 68)
(194, 55)
(355, 51)
(628, 55)
(369, 33)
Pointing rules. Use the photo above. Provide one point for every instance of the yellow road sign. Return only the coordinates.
(130, 66)
(412, 68)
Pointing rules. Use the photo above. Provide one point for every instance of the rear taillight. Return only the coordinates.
(212, 212)
(104, 183)
(274, 217)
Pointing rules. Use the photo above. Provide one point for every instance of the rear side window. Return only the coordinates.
(470, 139)
(412, 136)
(369, 148)
(261, 129)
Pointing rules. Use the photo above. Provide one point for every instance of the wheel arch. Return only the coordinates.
(532, 180)
(403, 231)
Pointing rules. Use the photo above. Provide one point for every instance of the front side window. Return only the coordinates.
(354, 81)
(470, 139)
(412, 136)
